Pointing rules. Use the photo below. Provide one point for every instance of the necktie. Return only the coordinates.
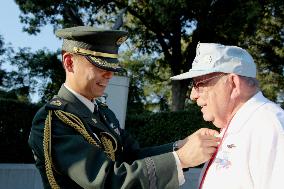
(96, 109)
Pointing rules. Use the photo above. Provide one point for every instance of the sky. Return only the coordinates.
(11, 30)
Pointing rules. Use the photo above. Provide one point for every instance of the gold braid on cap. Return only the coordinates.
(104, 63)
(94, 53)
(74, 122)
(95, 57)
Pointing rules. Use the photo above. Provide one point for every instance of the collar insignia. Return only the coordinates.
(94, 120)
(121, 40)
(56, 103)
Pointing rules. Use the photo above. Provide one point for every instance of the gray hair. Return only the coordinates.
(251, 82)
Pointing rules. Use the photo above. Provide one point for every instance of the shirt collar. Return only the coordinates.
(90, 105)
(246, 111)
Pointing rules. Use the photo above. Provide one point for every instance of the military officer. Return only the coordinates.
(77, 141)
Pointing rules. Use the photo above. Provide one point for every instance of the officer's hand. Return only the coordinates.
(198, 147)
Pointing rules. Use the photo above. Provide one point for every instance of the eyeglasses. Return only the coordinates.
(199, 85)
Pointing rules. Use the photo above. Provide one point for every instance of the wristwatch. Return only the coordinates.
(175, 146)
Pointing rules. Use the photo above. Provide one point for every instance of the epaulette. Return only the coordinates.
(56, 104)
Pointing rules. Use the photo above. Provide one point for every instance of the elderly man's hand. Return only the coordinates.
(198, 147)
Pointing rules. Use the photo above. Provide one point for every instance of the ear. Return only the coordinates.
(193, 94)
(68, 62)
(235, 85)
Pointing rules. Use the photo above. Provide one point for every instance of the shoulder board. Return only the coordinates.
(56, 104)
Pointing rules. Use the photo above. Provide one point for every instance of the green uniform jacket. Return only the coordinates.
(79, 164)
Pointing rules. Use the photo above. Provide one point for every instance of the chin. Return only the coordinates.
(207, 118)
(97, 94)
(219, 125)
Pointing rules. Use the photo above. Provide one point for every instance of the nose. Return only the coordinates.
(194, 94)
(108, 74)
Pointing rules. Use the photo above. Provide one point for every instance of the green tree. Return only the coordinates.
(169, 28)
(267, 48)
(2, 51)
(149, 83)
(40, 71)
(135, 71)
(4, 92)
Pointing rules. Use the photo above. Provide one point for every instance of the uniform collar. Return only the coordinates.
(90, 105)
(246, 111)
(75, 104)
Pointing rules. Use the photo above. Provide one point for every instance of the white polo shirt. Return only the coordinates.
(252, 152)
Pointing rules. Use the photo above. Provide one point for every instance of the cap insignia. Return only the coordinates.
(121, 40)
(104, 63)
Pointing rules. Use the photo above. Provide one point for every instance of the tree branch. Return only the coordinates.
(143, 20)
(71, 15)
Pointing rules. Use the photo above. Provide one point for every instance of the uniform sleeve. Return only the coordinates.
(89, 167)
(267, 153)
(153, 151)
(132, 147)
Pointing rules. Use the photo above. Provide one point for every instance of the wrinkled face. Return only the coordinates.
(89, 80)
(212, 94)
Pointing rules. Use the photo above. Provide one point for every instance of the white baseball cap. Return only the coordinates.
(212, 57)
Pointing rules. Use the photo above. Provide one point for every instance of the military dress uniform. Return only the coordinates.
(77, 148)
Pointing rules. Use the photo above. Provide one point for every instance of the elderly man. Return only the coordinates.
(76, 139)
(251, 152)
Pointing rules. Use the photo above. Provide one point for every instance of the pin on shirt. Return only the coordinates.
(231, 145)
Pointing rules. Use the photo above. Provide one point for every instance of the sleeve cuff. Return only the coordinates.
(181, 179)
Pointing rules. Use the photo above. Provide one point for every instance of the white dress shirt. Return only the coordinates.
(89, 104)
(252, 152)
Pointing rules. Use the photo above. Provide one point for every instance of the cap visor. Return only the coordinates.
(109, 66)
(191, 74)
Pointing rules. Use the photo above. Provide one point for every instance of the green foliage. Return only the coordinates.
(160, 128)
(171, 29)
(135, 71)
(2, 51)
(41, 71)
(7, 95)
(38, 13)
(267, 48)
(149, 129)
(149, 83)
(15, 123)
(19, 94)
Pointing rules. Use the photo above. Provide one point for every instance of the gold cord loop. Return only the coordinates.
(74, 122)
(46, 149)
